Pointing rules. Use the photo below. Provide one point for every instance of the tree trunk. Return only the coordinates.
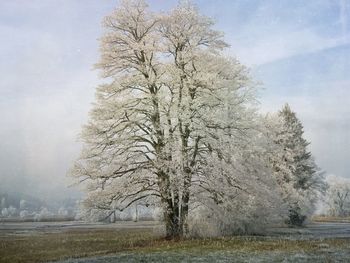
(175, 218)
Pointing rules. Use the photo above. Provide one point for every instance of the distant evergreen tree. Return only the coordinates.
(296, 171)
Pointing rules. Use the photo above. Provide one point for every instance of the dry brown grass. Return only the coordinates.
(73, 243)
(325, 219)
(83, 243)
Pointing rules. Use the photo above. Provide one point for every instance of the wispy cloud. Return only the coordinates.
(285, 45)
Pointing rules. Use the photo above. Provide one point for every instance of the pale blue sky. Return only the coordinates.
(299, 49)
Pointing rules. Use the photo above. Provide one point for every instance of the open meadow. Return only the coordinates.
(140, 242)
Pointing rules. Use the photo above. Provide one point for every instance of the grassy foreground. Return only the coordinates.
(41, 247)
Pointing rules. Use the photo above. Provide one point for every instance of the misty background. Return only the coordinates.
(299, 50)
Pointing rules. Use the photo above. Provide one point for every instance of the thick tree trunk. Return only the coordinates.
(171, 203)
(175, 217)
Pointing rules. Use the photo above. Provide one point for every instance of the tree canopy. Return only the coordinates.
(175, 125)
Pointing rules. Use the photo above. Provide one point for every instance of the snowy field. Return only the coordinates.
(312, 231)
(318, 242)
(28, 228)
(221, 256)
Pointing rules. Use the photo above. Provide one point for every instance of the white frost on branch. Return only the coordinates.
(175, 125)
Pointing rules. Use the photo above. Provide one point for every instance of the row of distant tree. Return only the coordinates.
(337, 200)
(13, 207)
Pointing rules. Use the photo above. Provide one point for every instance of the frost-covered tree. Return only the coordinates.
(240, 194)
(43, 214)
(338, 196)
(24, 214)
(62, 211)
(5, 212)
(12, 211)
(296, 172)
(171, 125)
